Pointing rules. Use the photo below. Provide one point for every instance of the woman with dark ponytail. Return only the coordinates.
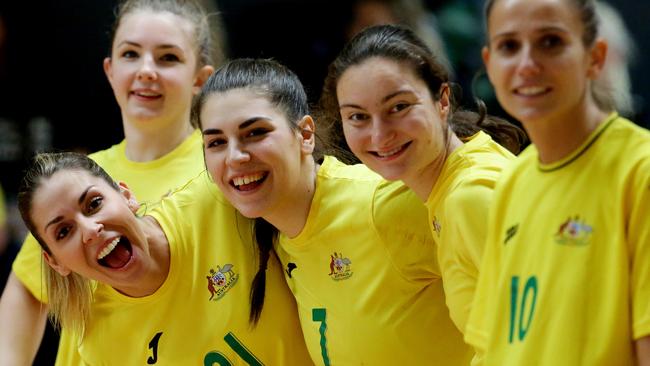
(150, 303)
(394, 104)
(356, 250)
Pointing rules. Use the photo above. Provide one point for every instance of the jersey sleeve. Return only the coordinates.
(28, 267)
(638, 233)
(462, 240)
(477, 329)
(401, 220)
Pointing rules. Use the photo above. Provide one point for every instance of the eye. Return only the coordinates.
(257, 132)
(551, 42)
(356, 117)
(94, 204)
(215, 142)
(62, 232)
(399, 107)
(508, 46)
(128, 54)
(170, 57)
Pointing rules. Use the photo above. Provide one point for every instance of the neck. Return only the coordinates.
(156, 265)
(151, 143)
(557, 137)
(423, 181)
(291, 215)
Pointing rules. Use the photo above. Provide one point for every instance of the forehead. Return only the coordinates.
(60, 193)
(230, 108)
(512, 16)
(382, 74)
(156, 27)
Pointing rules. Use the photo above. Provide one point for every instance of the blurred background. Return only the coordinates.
(54, 95)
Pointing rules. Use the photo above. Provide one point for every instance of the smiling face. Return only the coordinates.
(390, 119)
(252, 153)
(153, 67)
(90, 228)
(537, 59)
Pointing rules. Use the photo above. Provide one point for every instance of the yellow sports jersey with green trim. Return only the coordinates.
(199, 316)
(458, 206)
(365, 275)
(564, 280)
(148, 180)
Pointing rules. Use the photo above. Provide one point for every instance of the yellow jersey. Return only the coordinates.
(564, 280)
(200, 314)
(458, 206)
(365, 275)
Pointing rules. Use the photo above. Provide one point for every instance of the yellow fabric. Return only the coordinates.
(206, 237)
(458, 206)
(565, 278)
(365, 275)
(148, 180)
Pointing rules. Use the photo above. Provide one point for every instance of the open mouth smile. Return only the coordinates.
(116, 254)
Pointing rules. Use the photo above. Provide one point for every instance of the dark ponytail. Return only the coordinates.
(466, 123)
(265, 236)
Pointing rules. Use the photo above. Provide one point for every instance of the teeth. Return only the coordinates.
(384, 154)
(147, 94)
(531, 90)
(108, 249)
(247, 179)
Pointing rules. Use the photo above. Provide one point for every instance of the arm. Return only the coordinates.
(23, 320)
(643, 351)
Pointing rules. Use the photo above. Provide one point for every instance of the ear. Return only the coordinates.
(485, 55)
(444, 101)
(597, 57)
(201, 77)
(108, 69)
(307, 137)
(132, 202)
(60, 268)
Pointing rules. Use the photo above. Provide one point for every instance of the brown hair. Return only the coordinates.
(401, 45)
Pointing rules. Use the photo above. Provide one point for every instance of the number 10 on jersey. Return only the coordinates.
(522, 307)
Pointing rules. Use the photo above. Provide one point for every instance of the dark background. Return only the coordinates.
(54, 95)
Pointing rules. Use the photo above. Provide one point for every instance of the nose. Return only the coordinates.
(90, 230)
(382, 133)
(147, 69)
(237, 154)
(528, 63)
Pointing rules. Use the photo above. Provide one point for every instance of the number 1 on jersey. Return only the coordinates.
(320, 315)
(531, 286)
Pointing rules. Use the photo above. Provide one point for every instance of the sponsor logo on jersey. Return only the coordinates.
(339, 267)
(220, 281)
(510, 233)
(290, 267)
(436, 225)
(574, 232)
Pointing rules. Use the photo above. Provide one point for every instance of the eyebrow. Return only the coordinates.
(57, 219)
(136, 44)
(383, 100)
(246, 123)
(541, 30)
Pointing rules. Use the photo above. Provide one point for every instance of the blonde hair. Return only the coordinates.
(70, 297)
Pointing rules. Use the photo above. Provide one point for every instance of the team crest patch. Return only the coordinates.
(436, 225)
(220, 281)
(574, 232)
(339, 267)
